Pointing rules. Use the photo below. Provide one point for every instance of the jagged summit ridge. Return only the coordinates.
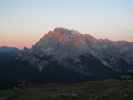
(65, 36)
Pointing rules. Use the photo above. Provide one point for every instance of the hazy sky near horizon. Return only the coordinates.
(23, 22)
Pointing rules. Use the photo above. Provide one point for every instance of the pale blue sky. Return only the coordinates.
(23, 22)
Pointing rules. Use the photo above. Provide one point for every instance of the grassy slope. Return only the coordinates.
(91, 90)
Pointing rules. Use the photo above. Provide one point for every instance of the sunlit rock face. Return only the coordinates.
(65, 36)
(79, 53)
(63, 42)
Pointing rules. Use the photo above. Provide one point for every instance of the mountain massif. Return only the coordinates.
(67, 55)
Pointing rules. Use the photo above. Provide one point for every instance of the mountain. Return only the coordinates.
(64, 54)
(12, 70)
(7, 54)
(7, 58)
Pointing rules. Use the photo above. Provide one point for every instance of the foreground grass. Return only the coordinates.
(90, 90)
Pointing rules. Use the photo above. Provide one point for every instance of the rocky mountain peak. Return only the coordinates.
(63, 36)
